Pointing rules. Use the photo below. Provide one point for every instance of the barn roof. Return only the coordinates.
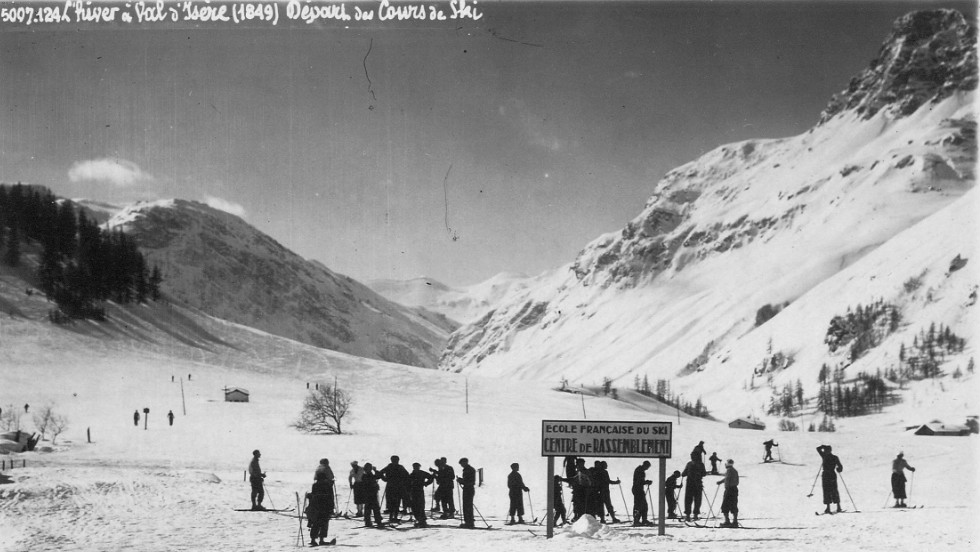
(233, 389)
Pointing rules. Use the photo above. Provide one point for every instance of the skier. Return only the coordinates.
(714, 459)
(570, 466)
(467, 482)
(729, 502)
(694, 472)
(418, 480)
(899, 464)
(170, 416)
(136, 418)
(830, 468)
(603, 483)
(445, 478)
(516, 490)
(320, 507)
(670, 485)
(323, 471)
(698, 454)
(26, 407)
(354, 480)
(396, 492)
(256, 477)
(559, 500)
(769, 444)
(581, 488)
(640, 482)
(369, 490)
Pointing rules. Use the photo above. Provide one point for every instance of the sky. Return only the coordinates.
(452, 149)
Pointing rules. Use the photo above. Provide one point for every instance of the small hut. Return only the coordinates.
(746, 423)
(236, 394)
(939, 429)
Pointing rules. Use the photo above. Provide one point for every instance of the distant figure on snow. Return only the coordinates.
(899, 465)
(729, 502)
(170, 417)
(714, 459)
(256, 478)
(26, 407)
(830, 468)
(320, 508)
(136, 418)
(768, 444)
(516, 490)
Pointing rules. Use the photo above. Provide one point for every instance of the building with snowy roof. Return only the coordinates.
(236, 394)
(747, 423)
(942, 430)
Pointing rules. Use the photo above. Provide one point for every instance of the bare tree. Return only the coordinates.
(10, 418)
(58, 426)
(323, 410)
(43, 418)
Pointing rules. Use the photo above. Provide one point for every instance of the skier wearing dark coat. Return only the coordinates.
(831, 466)
(670, 485)
(418, 480)
(396, 492)
(445, 477)
(640, 482)
(603, 482)
(560, 511)
(515, 491)
(698, 453)
(769, 444)
(136, 418)
(468, 484)
(256, 478)
(319, 509)
(581, 489)
(694, 472)
(714, 463)
(899, 465)
(170, 416)
(729, 502)
(369, 492)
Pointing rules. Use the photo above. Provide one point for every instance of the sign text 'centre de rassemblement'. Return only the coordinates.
(612, 439)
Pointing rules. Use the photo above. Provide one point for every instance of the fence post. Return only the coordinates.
(88, 434)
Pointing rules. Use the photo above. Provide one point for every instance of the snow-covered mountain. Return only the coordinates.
(216, 262)
(878, 193)
(463, 304)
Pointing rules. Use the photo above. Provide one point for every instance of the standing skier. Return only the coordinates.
(640, 482)
(698, 453)
(714, 459)
(354, 481)
(729, 502)
(369, 490)
(397, 490)
(320, 507)
(256, 477)
(516, 490)
(581, 489)
(468, 483)
(136, 418)
(670, 485)
(694, 472)
(768, 444)
(899, 465)
(830, 467)
(445, 479)
(559, 500)
(418, 480)
(170, 417)
(603, 483)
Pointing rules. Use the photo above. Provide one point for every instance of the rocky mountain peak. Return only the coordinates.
(927, 57)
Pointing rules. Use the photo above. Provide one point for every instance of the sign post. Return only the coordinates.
(605, 439)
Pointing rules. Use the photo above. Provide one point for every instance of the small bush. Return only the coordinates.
(788, 425)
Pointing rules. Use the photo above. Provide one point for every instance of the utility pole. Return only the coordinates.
(182, 402)
(467, 380)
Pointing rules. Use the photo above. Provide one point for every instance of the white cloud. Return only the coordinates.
(225, 205)
(118, 172)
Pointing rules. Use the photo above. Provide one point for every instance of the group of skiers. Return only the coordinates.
(590, 486)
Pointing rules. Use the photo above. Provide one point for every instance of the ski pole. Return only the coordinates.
(347, 506)
(300, 541)
(266, 493)
(779, 455)
(911, 484)
(459, 501)
(712, 502)
(849, 494)
(336, 502)
(626, 508)
(814, 486)
(481, 515)
(887, 500)
(653, 513)
(530, 507)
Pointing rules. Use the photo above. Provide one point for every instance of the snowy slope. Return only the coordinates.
(175, 488)
(216, 262)
(463, 304)
(763, 222)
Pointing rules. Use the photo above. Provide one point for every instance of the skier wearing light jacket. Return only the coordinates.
(899, 465)
(729, 502)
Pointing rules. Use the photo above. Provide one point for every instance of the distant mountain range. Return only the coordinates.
(876, 195)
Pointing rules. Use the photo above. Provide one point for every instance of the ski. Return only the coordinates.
(271, 510)
(835, 513)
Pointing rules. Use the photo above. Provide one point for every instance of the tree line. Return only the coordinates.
(81, 265)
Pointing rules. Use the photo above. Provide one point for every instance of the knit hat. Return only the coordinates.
(730, 462)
